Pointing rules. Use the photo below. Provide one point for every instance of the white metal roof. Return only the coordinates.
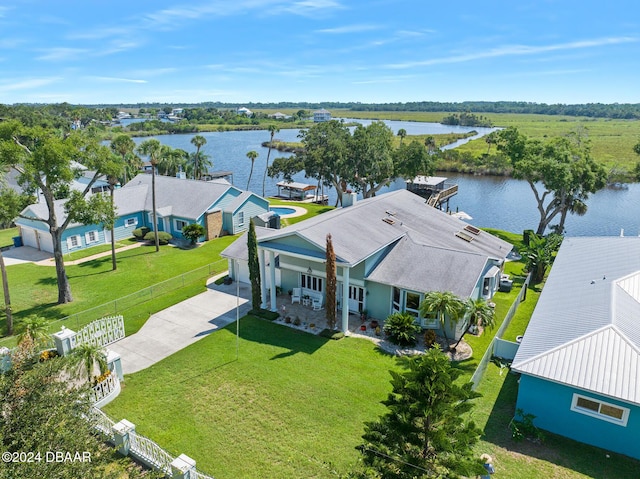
(585, 330)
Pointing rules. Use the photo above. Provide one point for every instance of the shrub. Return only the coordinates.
(331, 334)
(193, 231)
(163, 237)
(429, 338)
(296, 322)
(140, 233)
(287, 320)
(402, 329)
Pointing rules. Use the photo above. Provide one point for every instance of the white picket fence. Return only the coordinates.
(102, 390)
(101, 332)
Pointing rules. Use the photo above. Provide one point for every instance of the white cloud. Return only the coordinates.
(349, 29)
(516, 50)
(114, 79)
(62, 53)
(152, 72)
(27, 84)
(308, 8)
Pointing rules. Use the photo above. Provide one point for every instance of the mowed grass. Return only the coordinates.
(312, 210)
(293, 405)
(556, 457)
(6, 236)
(34, 287)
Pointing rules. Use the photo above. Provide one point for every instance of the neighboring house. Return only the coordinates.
(244, 111)
(279, 116)
(579, 359)
(218, 206)
(321, 115)
(390, 250)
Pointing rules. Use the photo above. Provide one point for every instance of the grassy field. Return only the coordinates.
(6, 236)
(612, 141)
(292, 405)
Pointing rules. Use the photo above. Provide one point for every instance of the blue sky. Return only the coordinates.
(562, 51)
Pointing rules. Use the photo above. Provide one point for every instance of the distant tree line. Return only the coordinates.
(466, 119)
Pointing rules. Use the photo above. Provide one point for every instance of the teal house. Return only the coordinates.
(579, 359)
(216, 205)
(390, 250)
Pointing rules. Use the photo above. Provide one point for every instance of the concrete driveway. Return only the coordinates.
(178, 326)
(24, 254)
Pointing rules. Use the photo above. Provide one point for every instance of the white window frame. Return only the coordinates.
(78, 244)
(129, 222)
(240, 218)
(312, 283)
(597, 414)
(87, 237)
(175, 224)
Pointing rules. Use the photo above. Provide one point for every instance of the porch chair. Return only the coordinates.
(317, 304)
(295, 296)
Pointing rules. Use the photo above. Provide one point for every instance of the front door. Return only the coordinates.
(356, 298)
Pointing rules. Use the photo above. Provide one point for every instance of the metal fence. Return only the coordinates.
(121, 305)
(482, 366)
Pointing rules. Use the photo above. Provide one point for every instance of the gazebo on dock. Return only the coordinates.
(290, 190)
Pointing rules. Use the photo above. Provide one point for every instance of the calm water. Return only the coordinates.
(491, 201)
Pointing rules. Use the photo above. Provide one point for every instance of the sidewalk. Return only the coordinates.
(180, 325)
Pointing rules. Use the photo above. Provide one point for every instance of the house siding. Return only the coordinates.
(551, 404)
(254, 206)
(81, 231)
(378, 300)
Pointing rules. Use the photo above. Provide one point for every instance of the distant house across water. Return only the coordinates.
(321, 115)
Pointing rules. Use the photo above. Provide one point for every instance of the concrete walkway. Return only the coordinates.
(178, 326)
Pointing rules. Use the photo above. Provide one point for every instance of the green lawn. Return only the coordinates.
(556, 457)
(6, 236)
(293, 405)
(312, 210)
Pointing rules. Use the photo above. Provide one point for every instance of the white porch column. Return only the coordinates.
(345, 299)
(263, 279)
(272, 279)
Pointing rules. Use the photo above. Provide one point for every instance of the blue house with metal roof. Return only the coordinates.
(579, 358)
(216, 205)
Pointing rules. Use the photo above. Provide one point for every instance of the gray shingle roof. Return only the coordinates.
(187, 198)
(585, 329)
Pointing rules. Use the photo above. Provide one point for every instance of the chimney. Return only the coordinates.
(349, 199)
(181, 174)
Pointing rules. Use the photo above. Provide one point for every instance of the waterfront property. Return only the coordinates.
(434, 188)
(390, 250)
(321, 115)
(218, 206)
(580, 356)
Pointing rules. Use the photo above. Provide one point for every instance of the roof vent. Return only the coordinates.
(464, 236)
(472, 229)
(390, 213)
(388, 220)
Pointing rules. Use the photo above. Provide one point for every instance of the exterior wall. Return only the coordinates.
(228, 196)
(213, 224)
(289, 279)
(378, 300)
(254, 206)
(551, 404)
(83, 242)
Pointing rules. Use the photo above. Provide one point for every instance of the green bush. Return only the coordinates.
(264, 314)
(140, 233)
(193, 231)
(429, 338)
(402, 329)
(297, 322)
(331, 334)
(163, 237)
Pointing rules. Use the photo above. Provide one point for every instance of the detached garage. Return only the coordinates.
(38, 239)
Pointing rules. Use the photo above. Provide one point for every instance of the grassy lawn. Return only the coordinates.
(85, 253)
(34, 290)
(312, 210)
(556, 457)
(292, 405)
(6, 236)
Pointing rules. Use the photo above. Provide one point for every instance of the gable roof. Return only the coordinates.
(370, 225)
(585, 329)
(179, 197)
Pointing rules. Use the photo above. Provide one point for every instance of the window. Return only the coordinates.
(91, 236)
(74, 242)
(241, 218)
(412, 303)
(396, 300)
(599, 409)
(129, 222)
(180, 224)
(311, 282)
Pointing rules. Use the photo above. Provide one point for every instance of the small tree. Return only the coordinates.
(331, 284)
(254, 266)
(424, 433)
(539, 254)
(35, 331)
(402, 329)
(89, 357)
(446, 305)
(480, 314)
(193, 231)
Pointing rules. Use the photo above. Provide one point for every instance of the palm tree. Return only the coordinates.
(402, 133)
(430, 143)
(252, 155)
(198, 141)
(491, 138)
(123, 145)
(273, 129)
(480, 314)
(171, 161)
(446, 305)
(90, 356)
(197, 164)
(35, 332)
(152, 149)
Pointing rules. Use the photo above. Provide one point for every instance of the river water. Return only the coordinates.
(495, 202)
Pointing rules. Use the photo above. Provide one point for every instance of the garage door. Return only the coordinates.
(46, 242)
(28, 237)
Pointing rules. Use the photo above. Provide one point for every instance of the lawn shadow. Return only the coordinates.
(266, 332)
(558, 450)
